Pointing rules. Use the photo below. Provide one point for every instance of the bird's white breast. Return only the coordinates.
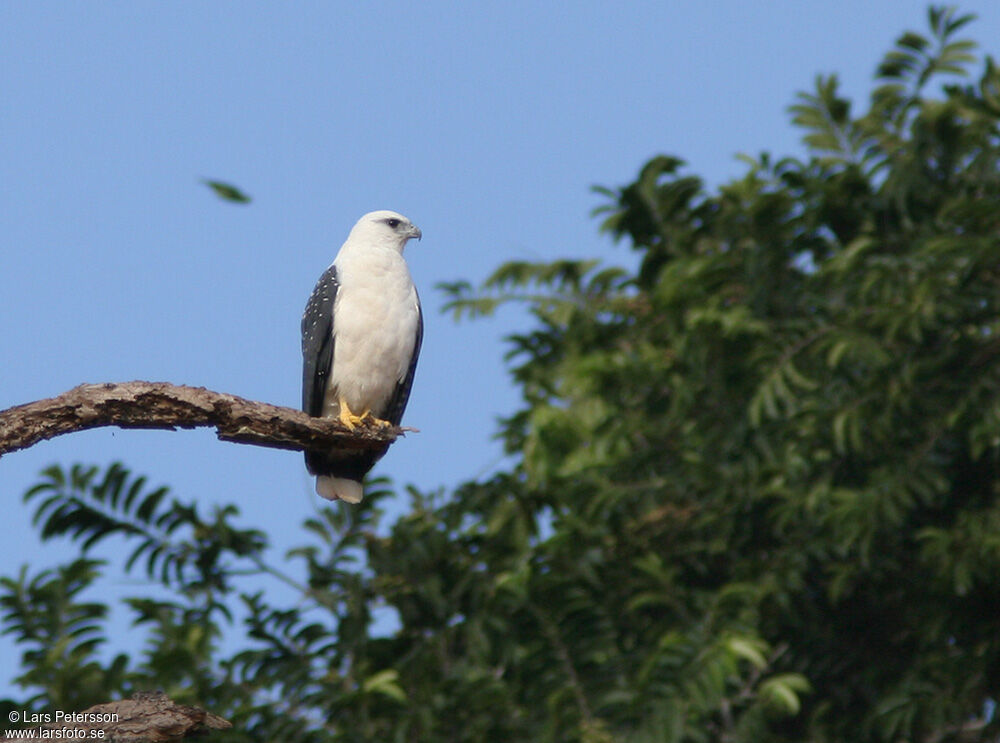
(375, 326)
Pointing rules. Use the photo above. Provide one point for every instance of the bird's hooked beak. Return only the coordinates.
(415, 232)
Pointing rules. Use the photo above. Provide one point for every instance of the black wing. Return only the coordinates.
(317, 342)
(396, 406)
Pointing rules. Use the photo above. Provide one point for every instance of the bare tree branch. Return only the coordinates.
(147, 717)
(168, 406)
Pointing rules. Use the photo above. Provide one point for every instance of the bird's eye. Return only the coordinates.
(393, 223)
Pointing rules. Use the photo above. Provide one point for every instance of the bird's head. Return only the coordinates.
(386, 228)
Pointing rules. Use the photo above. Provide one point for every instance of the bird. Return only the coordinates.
(361, 334)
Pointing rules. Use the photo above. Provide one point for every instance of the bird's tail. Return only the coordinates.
(339, 488)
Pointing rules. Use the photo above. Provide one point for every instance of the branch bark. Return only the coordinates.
(146, 717)
(167, 406)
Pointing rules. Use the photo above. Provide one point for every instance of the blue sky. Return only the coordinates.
(485, 123)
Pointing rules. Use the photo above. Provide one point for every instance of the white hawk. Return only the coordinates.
(361, 335)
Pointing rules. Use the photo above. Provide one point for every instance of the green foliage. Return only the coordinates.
(75, 504)
(227, 192)
(755, 493)
(61, 635)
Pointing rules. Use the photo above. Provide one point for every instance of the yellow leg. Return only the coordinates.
(351, 420)
(346, 417)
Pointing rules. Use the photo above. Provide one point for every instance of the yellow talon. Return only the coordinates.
(369, 418)
(352, 421)
(348, 418)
